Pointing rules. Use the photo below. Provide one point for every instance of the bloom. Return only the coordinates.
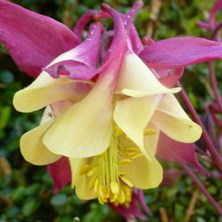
(105, 109)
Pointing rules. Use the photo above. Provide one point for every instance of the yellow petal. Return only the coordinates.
(174, 122)
(81, 182)
(85, 129)
(151, 141)
(46, 90)
(143, 173)
(137, 80)
(132, 116)
(32, 148)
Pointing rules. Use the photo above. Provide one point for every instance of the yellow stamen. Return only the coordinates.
(104, 175)
(121, 197)
(92, 182)
(136, 156)
(92, 171)
(127, 181)
(84, 169)
(149, 132)
(131, 148)
(125, 161)
(114, 187)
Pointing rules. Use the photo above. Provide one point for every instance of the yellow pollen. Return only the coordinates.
(114, 187)
(92, 171)
(84, 169)
(131, 148)
(126, 181)
(92, 182)
(96, 186)
(136, 156)
(122, 197)
(125, 161)
(149, 132)
(132, 153)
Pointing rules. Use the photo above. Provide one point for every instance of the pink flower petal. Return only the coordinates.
(85, 18)
(33, 40)
(172, 150)
(75, 70)
(81, 64)
(137, 45)
(179, 52)
(60, 173)
(169, 79)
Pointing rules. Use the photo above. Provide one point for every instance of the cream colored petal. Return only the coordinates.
(46, 90)
(133, 114)
(85, 129)
(137, 80)
(32, 148)
(174, 122)
(81, 182)
(151, 141)
(143, 173)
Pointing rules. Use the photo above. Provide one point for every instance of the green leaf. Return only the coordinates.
(5, 114)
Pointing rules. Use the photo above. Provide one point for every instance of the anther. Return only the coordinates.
(84, 169)
(92, 182)
(92, 171)
(148, 132)
(114, 187)
(136, 156)
(131, 148)
(127, 181)
(125, 161)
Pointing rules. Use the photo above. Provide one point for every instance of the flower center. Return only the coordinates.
(104, 171)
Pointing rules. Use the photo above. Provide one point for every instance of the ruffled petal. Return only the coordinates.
(85, 129)
(143, 173)
(36, 41)
(46, 90)
(32, 148)
(132, 116)
(137, 80)
(174, 122)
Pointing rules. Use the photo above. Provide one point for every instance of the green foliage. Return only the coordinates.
(26, 191)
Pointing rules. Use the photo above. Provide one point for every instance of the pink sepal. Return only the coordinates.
(180, 52)
(60, 173)
(172, 150)
(33, 40)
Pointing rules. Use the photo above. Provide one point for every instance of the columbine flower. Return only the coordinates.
(104, 108)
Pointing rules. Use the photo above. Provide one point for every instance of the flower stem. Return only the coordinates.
(202, 188)
(215, 157)
(214, 86)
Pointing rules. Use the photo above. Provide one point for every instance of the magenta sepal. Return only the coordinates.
(135, 208)
(171, 150)
(60, 173)
(33, 40)
(180, 52)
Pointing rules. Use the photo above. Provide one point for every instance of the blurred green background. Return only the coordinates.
(26, 190)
